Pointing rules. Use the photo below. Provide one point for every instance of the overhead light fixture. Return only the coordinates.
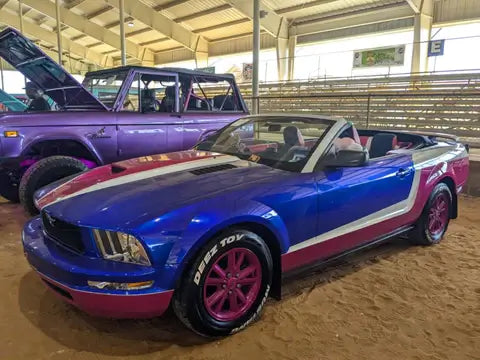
(131, 24)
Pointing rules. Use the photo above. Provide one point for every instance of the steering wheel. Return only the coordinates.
(291, 152)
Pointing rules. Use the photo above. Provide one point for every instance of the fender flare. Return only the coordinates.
(81, 141)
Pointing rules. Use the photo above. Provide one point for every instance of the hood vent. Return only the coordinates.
(212, 169)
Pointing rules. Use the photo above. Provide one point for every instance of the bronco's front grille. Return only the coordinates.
(67, 235)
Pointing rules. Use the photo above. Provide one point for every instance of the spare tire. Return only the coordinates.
(45, 172)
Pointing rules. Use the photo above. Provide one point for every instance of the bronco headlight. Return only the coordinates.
(118, 246)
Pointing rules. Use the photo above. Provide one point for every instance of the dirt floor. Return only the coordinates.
(392, 302)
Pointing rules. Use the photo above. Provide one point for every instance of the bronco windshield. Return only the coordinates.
(280, 142)
(105, 87)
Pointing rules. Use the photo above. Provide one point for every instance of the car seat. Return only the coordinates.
(381, 144)
(168, 101)
(148, 100)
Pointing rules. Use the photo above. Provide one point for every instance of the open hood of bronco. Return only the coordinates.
(40, 69)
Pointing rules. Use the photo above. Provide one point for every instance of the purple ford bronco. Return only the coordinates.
(115, 114)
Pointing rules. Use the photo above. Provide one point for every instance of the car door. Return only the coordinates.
(356, 202)
(142, 132)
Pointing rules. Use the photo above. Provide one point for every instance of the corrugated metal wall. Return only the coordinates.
(455, 10)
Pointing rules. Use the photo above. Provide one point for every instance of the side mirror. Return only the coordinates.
(347, 158)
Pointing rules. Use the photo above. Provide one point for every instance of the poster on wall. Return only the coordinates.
(388, 56)
(208, 69)
(247, 71)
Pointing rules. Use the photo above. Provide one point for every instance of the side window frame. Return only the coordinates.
(133, 77)
(231, 91)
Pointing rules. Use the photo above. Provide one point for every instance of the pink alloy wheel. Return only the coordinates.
(438, 215)
(232, 284)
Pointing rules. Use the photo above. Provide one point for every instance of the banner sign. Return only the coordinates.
(388, 56)
(436, 47)
(208, 69)
(247, 72)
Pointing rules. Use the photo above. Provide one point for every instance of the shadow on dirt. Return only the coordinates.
(77, 330)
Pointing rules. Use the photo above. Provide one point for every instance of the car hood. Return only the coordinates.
(11, 102)
(126, 194)
(40, 69)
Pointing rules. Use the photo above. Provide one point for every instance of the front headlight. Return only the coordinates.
(118, 246)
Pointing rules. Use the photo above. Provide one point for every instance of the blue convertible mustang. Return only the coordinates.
(213, 229)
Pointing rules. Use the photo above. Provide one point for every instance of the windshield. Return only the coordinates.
(105, 87)
(281, 142)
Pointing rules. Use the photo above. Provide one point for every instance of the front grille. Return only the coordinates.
(67, 235)
(212, 169)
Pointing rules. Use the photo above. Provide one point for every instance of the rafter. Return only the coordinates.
(273, 23)
(222, 25)
(99, 12)
(163, 25)
(203, 13)
(91, 29)
(303, 6)
(73, 3)
(170, 4)
(50, 37)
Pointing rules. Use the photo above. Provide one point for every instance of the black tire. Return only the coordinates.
(188, 300)
(422, 234)
(8, 188)
(45, 172)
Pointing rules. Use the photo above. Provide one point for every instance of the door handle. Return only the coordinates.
(403, 173)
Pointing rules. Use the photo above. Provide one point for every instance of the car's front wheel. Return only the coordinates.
(433, 223)
(45, 172)
(227, 285)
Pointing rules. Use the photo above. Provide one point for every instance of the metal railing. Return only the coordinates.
(448, 103)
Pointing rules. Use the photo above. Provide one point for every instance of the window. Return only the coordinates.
(105, 86)
(152, 93)
(209, 93)
(280, 142)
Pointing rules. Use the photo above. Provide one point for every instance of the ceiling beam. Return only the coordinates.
(303, 6)
(273, 23)
(342, 20)
(203, 13)
(99, 12)
(156, 41)
(73, 3)
(163, 25)
(91, 29)
(222, 25)
(170, 4)
(50, 37)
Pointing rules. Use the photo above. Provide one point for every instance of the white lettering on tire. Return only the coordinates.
(255, 314)
(208, 256)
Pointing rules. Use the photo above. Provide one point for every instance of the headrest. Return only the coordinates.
(292, 136)
(170, 91)
(148, 94)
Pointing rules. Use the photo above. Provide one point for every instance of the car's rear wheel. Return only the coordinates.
(45, 172)
(433, 223)
(227, 285)
(8, 187)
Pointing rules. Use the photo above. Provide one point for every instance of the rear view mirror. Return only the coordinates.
(347, 158)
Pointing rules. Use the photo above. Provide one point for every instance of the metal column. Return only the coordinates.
(20, 15)
(59, 32)
(122, 32)
(256, 55)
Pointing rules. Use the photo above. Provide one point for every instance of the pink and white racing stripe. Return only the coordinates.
(133, 170)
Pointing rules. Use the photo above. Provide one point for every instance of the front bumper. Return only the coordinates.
(67, 274)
